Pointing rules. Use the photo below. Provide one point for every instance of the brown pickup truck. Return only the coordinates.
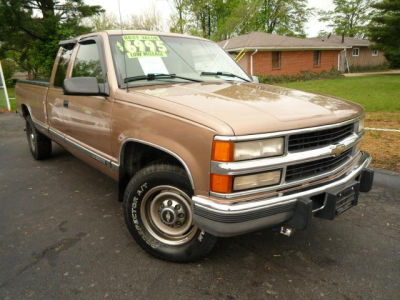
(200, 150)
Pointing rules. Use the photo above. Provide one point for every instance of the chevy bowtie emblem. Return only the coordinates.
(339, 149)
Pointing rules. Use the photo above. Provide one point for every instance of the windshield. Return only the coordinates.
(185, 57)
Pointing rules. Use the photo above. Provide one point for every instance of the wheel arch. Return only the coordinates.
(135, 154)
(25, 110)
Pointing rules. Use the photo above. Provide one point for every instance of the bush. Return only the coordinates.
(302, 76)
(9, 67)
(360, 69)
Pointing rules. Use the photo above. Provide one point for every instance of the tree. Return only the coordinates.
(31, 29)
(222, 19)
(9, 67)
(149, 20)
(350, 17)
(103, 21)
(284, 17)
(178, 21)
(384, 30)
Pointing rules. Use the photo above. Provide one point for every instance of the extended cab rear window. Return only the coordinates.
(62, 67)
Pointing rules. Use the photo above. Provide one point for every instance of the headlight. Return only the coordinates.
(258, 149)
(361, 125)
(256, 180)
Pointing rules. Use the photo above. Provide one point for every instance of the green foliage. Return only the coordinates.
(103, 21)
(350, 17)
(385, 30)
(148, 20)
(302, 76)
(222, 19)
(11, 96)
(374, 92)
(360, 69)
(9, 67)
(282, 17)
(30, 30)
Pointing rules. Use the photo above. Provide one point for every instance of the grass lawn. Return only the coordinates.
(380, 96)
(375, 92)
(3, 103)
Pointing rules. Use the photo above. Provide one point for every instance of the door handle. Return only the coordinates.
(65, 103)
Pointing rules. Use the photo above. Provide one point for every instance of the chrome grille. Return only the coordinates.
(320, 138)
(316, 167)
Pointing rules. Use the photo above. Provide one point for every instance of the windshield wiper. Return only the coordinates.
(223, 74)
(155, 76)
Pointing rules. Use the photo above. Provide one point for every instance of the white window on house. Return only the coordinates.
(374, 52)
(356, 52)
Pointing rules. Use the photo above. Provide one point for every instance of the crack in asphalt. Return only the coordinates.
(51, 252)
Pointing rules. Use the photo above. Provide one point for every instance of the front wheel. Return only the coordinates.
(157, 210)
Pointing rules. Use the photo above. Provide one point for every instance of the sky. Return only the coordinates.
(165, 8)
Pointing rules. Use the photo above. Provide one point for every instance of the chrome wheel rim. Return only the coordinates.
(166, 214)
(31, 138)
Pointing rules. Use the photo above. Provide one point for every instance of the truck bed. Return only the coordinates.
(33, 94)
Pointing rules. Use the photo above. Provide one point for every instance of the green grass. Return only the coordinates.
(374, 92)
(3, 103)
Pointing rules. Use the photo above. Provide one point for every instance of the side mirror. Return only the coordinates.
(255, 79)
(81, 86)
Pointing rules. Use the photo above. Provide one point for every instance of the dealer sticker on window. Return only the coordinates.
(142, 46)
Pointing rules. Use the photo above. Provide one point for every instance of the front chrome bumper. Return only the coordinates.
(235, 219)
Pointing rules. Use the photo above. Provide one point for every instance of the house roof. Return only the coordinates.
(267, 41)
(348, 41)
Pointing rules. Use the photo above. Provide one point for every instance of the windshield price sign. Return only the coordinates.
(142, 46)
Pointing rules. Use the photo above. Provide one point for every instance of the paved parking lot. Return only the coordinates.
(62, 235)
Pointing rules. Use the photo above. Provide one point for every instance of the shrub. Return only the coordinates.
(9, 67)
(357, 69)
(302, 76)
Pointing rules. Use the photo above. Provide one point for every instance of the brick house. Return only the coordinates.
(271, 54)
(358, 52)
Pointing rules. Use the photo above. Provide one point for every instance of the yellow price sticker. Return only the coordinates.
(142, 46)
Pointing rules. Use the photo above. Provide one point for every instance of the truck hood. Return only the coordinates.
(256, 108)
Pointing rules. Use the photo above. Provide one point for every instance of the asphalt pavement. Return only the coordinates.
(62, 236)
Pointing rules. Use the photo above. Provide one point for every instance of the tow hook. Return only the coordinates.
(288, 231)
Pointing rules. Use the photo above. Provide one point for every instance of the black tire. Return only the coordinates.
(150, 196)
(39, 144)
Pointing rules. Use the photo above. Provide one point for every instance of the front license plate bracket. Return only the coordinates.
(338, 203)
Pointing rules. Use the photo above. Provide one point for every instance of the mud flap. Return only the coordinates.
(302, 214)
(366, 180)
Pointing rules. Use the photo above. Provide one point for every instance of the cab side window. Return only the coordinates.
(62, 67)
(87, 62)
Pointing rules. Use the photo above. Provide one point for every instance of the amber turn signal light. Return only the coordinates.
(221, 183)
(222, 151)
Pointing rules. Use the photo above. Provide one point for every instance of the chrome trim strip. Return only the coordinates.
(252, 137)
(39, 125)
(85, 150)
(259, 204)
(159, 148)
(56, 133)
(90, 153)
(271, 163)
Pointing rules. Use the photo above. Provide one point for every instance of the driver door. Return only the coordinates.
(88, 118)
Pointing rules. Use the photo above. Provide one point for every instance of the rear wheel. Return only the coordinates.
(39, 144)
(157, 209)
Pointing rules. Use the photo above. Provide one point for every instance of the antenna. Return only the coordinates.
(123, 44)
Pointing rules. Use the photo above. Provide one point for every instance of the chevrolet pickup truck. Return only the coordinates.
(199, 149)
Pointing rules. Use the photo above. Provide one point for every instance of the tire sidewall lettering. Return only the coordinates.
(135, 214)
